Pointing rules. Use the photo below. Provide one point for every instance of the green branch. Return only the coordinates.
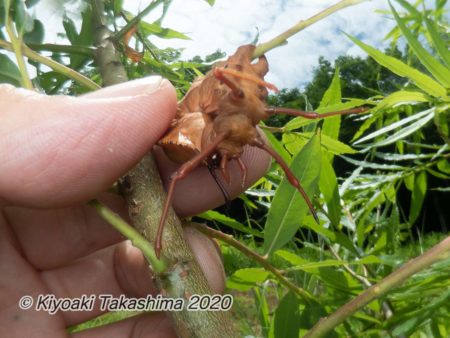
(58, 67)
(255, 256)
(16, 43)
(69, 49)
(133, 22)
(282, 38)
(395, 279)
(131, 233)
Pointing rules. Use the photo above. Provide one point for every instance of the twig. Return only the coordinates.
(282, 38)
(255, 256)
(69, 49)
(131, 233)
(58, 67)
(16, 48)
(133, 22)
(433, 255)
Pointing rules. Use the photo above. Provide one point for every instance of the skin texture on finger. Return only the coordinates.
(50, 238)
(152, 325)
(198, 191)
(104, 272)
(121, 269)
(62, 150)
(17, 279)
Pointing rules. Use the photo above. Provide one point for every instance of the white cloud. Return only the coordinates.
(230, 23)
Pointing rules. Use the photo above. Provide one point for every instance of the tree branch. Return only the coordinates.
(144, 193)
(435, 254)
(282, 38)
(256, 257)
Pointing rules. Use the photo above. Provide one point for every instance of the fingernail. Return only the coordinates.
(142, 86)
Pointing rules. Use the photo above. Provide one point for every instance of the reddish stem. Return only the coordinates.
(289, 175)
(185, 169)
(312, 114)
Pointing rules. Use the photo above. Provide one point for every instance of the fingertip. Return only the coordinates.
(208, 257)
(59, 150)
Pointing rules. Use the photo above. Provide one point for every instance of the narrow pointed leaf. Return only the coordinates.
(439, 44)
(329, 187)
(418, 195)
(287, 316)
(441, 73)
(212, 215)
(396, 66)
(393, 126)
(288, 207)
(404, 131)
(332, 125)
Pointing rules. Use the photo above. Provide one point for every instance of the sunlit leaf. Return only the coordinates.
(441, 73)
(438, 42)
(288, 206)
(212, 215)
(245, 279)
(427, 114)
(332, 125)
(164, 33)
(422, 81)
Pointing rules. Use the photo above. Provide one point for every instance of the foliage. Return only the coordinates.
(400, 148)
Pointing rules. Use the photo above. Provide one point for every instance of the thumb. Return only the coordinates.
(59, 150)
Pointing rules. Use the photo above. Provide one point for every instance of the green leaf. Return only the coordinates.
(118, 4)
(277, 146)
(336, 147)
(439, 44)
(441, 73)
(332, 125)
(245, 279)
(329, 187)
(263, 309)
(422, 81)
(402, 97)
(444, 166)
(211, 2)
(418, 195)
(164, 33)
(9, 73)
(22, 19)
(294, 142)
(402, 133)
(287, 316)
(426, 114)
(70, 29)
(36, 35)
(212, 215)
(288, 206)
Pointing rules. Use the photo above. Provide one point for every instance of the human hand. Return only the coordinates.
(56, 154)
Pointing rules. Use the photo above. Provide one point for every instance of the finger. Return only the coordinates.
(198, 191)
(19, 279)
(153, 325)
(50, 238)
(61, 150)
(121, 269)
